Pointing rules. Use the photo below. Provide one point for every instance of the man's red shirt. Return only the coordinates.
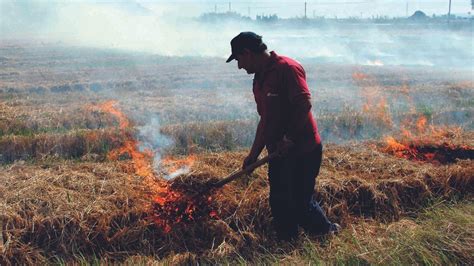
(284, 104)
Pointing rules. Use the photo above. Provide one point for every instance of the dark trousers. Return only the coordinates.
(292, 180)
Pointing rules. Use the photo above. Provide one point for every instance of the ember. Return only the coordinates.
(181, 208)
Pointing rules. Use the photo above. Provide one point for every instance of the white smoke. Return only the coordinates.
(152, 140)
(166, 29)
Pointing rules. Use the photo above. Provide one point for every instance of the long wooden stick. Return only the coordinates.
(245, 171)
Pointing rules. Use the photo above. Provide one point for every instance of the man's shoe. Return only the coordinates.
(334, 229)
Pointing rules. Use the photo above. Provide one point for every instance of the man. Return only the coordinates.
(287, 127)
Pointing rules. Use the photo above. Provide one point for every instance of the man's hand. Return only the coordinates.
(284, 146)
(250, 159)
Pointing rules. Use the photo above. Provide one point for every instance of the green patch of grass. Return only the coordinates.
(441, 234)
(426, 110)
(466, 103)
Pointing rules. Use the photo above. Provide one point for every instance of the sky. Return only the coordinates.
(282, 8)
(153, 26)
(328, 8)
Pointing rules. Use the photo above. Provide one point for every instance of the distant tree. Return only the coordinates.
(418, 15)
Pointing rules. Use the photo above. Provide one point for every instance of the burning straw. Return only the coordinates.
(88, 208)
(120, 208)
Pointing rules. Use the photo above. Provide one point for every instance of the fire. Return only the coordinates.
(406, 151)
(401, 150)
(141, 160)
(178, 208)
(170, 206)
(428, 151)
(109, 107)
(394, 146)
(421, 124)
(173, 167)
(359, 76)
(428, 144)
(375, 102)
(419, 140)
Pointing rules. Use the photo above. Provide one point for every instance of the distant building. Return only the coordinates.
(269, 18)
(419, 15)
(226, 16)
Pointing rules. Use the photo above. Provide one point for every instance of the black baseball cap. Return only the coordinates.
(245, 40)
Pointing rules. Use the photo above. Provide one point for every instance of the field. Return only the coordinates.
(101, 152)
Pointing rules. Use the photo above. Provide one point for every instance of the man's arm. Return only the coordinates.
(257, 146)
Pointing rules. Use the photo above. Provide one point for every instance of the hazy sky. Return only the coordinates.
(283, 8)
(329, 8)
(150, 26)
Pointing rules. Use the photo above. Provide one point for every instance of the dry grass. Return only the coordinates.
(62, 199)
(60, 210)
(79, 144)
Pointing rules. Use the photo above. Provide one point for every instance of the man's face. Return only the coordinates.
(245, 61)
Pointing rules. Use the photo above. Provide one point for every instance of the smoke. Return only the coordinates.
(22, 19)
(161, 29)
(115, 26)
(152, 140)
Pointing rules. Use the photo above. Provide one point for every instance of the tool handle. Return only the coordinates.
(246, 170)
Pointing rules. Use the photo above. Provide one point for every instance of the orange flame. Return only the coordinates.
(421, 124)
(393, 145)
(400, 150)
(359, 76)
(375, 102)
(172, 166)
(142, 166)
(141, 160)
(109, 107)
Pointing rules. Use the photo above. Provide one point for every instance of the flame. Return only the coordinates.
(213, 214)
(173, 167)
(421, 124)
(428, 152)
(375, 102)
(177, 208)
(434, 149)
(393, 145)
(109, 107)
(359, 76)
(141, 160)
(405, 151)
(169, 206)
(405, 132)
(419, 140)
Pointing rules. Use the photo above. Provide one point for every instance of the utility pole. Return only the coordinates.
(230, 6)
(304, 10)
(215, 8)
(449, 11)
